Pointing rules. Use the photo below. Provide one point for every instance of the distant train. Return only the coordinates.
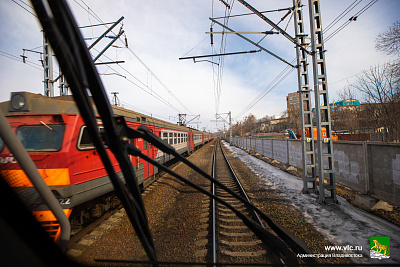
(56, 138)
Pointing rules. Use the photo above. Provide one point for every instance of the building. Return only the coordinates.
(293, 103)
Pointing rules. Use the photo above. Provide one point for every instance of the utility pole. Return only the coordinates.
(230, 128)
(48, 68)
(229, 121)
(48, 59)
(116, 100)
(322, 109)
(63, 84)
(182, 119)
(307, 145)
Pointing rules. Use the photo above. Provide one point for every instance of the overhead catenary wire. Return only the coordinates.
(218, 90)
(25, 7)
(342, 15)
(277, 80)
(284, 72)
(94, 15)
(158, 79)
(222, 49)
(29, 63)
(143, 87)
(353, 18)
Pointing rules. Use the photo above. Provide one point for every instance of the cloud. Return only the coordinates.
(160, 32)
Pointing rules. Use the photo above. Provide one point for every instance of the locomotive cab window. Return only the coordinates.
(38, 138)
(85, 141)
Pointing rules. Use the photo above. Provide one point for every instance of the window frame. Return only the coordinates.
(42, 125)
(78, 141)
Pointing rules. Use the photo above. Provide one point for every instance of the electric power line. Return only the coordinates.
(25, 8)
(94, 15)
(285, 73)
(353, 18)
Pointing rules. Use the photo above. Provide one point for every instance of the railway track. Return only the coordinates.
(232, 241)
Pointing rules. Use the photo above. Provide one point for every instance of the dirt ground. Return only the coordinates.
(345, 192)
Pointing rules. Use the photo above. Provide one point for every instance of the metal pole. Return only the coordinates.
(108, 46)
(48, 68)
(276, 27)
(322, 109)
(105, 33)
(253, 43)
(230, 127)
(307, 144)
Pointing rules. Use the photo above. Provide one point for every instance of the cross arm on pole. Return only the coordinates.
(105, 33)
(276, 27)
(250, 41)
(195, 117)
(108, 46)
(223, 54)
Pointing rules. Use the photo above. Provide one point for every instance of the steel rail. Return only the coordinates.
(214, 229)
(242, 191)
(239, 187)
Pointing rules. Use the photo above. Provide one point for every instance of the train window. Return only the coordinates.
(138, 119)
(143, 119)
(85, 141)
(171, 140)
(165, 137)
(1, 144)
(174, 138)
(41, 137)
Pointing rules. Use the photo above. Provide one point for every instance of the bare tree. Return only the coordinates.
(237, 129)
(381, 91)
(249, 122)
(389, 42)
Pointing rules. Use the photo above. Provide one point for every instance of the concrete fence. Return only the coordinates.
(367, 167)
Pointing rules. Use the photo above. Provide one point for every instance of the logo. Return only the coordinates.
(6, 160)
(379, 247)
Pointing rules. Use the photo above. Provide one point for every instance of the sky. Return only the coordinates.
(155, 82)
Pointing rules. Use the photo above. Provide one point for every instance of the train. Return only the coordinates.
(56, 138)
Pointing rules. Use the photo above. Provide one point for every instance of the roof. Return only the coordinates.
(39, 104)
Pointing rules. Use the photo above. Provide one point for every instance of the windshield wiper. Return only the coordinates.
(47, 126)
(77, 65)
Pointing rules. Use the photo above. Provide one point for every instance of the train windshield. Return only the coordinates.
(41, 137)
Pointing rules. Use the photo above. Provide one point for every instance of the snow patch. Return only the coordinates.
(341, 224)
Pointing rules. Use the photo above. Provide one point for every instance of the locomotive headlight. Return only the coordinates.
(18, 101)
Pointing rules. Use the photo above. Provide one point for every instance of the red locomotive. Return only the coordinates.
(54, 135)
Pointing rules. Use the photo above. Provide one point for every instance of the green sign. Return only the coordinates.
(380, 247)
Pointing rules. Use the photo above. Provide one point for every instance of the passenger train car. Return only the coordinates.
(56, 138)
